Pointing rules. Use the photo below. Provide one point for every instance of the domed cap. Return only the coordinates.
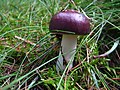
(69, 22)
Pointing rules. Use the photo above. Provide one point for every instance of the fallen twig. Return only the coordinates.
(27, 41)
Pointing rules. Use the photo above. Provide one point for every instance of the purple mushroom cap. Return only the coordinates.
(70, 22)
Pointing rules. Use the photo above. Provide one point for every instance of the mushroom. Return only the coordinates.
(69, 24)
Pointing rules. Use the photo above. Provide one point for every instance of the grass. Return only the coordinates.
(28, 51)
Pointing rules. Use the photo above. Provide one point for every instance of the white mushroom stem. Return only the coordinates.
(67, 52)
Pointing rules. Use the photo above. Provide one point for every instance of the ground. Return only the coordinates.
(28, 50)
